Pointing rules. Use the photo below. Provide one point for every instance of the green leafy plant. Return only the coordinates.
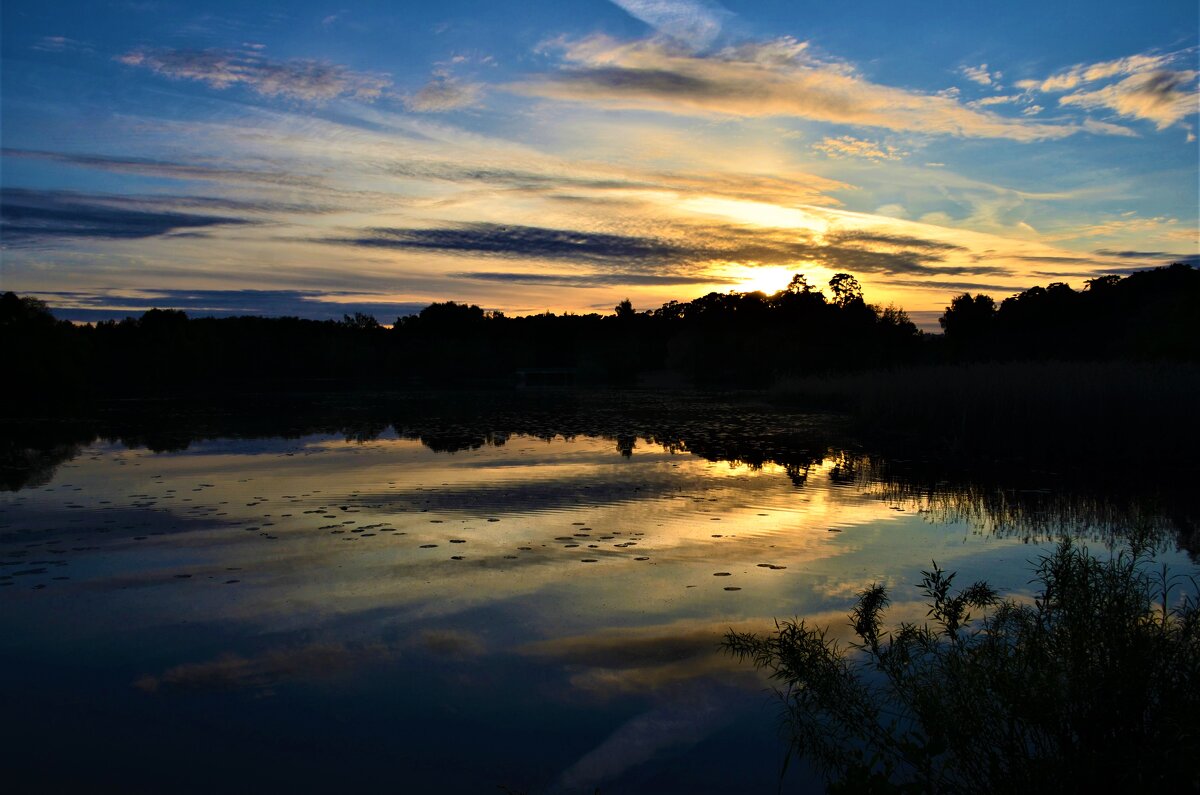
(1096, 683)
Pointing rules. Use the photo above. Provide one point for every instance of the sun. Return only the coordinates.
(768, 279)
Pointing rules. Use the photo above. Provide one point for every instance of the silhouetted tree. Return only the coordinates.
(360, 321)
(969, 320)
(26, 312)
(846, 289)
(798, 284)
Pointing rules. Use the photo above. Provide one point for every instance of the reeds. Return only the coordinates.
(1063, 410)
(1092, 687)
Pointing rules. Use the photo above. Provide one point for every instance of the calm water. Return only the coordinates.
(448, 604)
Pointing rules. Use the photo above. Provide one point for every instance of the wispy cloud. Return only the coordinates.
(298, 78)
(1162, 97)
(553, 179)
(1130, 224)
(1080, 74)
(696, 23)
(981, 75)
(61, 44)
(233, 671)
(897, 241)
(775, 78)
(444, 93)
(165, 168)
(1001, 99)
(849, 146)
(1149, 89)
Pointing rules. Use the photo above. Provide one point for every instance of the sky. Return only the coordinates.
(316, 158)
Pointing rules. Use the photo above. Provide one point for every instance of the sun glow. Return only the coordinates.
(768, 279)
(758, 214)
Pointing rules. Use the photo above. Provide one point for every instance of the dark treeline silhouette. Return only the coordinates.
(1150, 314)
(741, 339)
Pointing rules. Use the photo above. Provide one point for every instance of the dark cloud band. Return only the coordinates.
(310, 304)
(633, 254)
(28, 217)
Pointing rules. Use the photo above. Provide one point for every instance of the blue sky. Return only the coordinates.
(314, 158)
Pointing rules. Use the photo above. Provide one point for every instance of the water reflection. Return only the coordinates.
(996, 497)
(555, 577)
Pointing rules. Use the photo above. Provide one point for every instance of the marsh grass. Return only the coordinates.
(1060, 410)
(1094, 686)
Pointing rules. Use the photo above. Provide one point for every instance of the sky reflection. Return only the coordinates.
(558, 568)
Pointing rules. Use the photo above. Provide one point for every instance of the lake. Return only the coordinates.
(469, 594)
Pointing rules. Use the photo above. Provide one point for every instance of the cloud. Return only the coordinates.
(1002, 99)
(690, 253)
(311, 304)
(559, 176)
(1131, 224)
(1047, 258)
(298, 78)
(1148, 89)
(164, 168)
(61, 44)
(1192, 260)
(774, 78)
(162, 201)
(899, 241)
(849, 146)
(444, 93)
(643, 737)
(1162, 96)
(1080, 74)
(981, 75)
(1104, 128)
(950, 284)
(696, 23)
(1106, 252)
(29, 216)
(1160, 256)
(591, 279)
(451, 643)
(520, 241)
(233, 671)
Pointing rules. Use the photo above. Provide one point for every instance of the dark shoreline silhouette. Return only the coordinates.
(741, 340)
(1071, 381)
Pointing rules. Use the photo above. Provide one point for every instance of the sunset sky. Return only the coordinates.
(313, 158)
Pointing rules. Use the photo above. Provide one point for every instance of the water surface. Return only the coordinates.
(460, 603)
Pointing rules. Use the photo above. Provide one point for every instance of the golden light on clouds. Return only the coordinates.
(695, 155)
(753, 213)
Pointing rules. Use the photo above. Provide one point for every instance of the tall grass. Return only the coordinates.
(1094, 686)
(1065, 410)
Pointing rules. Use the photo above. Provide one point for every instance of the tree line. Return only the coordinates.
(730, 339)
